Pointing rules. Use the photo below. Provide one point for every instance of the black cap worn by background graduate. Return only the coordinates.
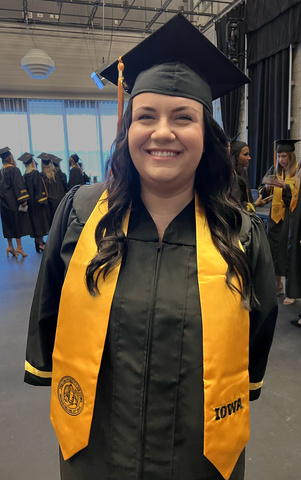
(177, 60)
(56, 160)
(26, 158)
(4, 152)
(45, 157)
(285, 145)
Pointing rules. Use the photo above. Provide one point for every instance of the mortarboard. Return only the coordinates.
(56, 160)
(285, 145)
(4, 152)
(26, 158)
(75, 157)
(45, 157)
(178, 60)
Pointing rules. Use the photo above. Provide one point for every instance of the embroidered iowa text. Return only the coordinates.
(222, 412)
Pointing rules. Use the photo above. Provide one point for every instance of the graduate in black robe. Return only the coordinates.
(138, 346)
(38, 201)
(62, 175)
(75, 173)
(13, 198)
(278, 182)
(55, 188)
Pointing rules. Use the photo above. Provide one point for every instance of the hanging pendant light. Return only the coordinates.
(37, 63)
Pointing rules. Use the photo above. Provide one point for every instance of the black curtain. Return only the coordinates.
(268, 111)
(230, 103)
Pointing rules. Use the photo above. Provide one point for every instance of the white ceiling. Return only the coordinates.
(79, 35)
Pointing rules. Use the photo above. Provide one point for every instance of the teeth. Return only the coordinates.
(162, 153)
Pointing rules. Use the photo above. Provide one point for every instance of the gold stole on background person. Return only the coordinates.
(295, 193)
(80, 338)
(278, 207)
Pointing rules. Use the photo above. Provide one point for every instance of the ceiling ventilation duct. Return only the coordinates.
(37, 63)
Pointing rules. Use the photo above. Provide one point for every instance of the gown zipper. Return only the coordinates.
(147, 363)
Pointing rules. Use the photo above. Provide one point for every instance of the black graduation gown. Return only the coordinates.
(242, 189)
(55, 191)
(15, 224)
(63, 178)
(37, 204)
(148, 417)
(278, 232)
(75, 177)
(293, 282)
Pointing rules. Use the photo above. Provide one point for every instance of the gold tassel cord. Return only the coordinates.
(120, 92)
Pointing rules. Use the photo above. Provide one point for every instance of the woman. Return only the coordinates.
(240, 157)
(53, 184)
(14, 198)
(37, 203)
(133, 298)
(279, 181)
(62, 176)
(75, 173)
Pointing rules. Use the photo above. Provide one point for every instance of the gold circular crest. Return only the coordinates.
(70, 396)
(276, 210)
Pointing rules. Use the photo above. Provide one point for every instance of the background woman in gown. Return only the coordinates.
(14, 197)
(38, 201)
(279, 181)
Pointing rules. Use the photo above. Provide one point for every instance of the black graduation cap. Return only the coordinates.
(26, 158)
(178, 60)
(56, 160)
(285, 145)
(75, 157)
(45, 157)
(4, 152)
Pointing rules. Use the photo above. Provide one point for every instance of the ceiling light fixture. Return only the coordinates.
(37, 63)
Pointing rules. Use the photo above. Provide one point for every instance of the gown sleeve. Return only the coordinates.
(43, 316)
(263, 315)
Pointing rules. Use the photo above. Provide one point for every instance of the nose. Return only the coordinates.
(162, 130)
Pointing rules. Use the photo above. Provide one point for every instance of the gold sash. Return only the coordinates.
(278, 207)
(80, 338)
(295, 193)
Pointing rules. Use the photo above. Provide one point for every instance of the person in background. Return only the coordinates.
(278, 182)
(53, 184)
(293, 273)
(14, 198)
(154, 351)
(37, 202)
(75, 173)
(87, 179)
(63, 177)
(240, 158)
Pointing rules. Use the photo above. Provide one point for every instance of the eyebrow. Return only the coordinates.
(174, 110)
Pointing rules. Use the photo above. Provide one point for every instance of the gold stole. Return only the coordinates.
(81, 332)
(295, 193)
(278, 207)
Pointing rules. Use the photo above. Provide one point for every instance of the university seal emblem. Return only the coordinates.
(70, 396)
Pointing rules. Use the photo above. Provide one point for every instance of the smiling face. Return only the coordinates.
(166, 141)
(244, 157)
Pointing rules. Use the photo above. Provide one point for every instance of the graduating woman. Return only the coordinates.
(75, 173)
(151, 276)
(14, 198)
(38, 201)
(53, 183)
(240, 157)
(279, 182)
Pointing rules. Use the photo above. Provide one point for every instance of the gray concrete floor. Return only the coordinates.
(28, 447)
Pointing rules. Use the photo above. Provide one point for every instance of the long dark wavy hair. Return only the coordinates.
(213, 185)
